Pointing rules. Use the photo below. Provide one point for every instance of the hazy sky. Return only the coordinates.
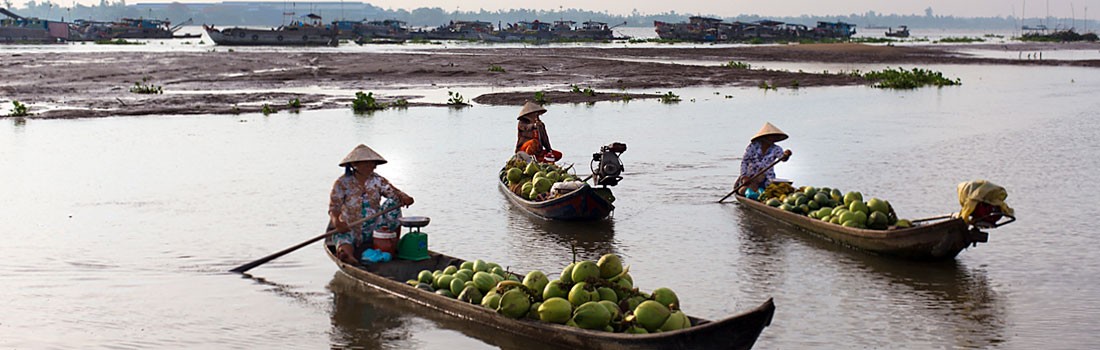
(963, 8)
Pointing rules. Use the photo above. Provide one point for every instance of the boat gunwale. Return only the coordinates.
(918, 230)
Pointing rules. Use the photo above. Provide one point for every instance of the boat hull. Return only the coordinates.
(736, 332)
(273, 37)
(585, 203)
(938, 241)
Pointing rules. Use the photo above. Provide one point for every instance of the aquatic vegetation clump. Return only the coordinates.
(964, 39)
(118, 42)
(496, 69)
(670, 97)
(19, 109)
(737, 65)
(456, 100)
(366, 103)
(267, 110)
(899, 78)
(295, 103)
(587, 91)
(540, 98)
(144, 87)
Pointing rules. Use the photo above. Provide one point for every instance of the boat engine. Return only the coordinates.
(606, 166)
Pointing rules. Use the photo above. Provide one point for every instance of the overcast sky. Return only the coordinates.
(729, 8)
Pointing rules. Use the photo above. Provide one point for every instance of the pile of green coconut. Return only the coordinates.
(590, 295)
(533, 180)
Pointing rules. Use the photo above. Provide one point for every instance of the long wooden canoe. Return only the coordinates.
(585, 203)
(736, 332)
(936, 241)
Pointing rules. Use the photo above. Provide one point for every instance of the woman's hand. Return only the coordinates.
(340, 225)
(406, 200)
(786, 155)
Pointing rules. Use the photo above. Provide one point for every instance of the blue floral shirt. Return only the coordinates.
(755, 160)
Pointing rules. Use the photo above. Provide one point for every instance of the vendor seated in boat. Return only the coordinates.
(761, 153)
(533, 139)
(358, 194)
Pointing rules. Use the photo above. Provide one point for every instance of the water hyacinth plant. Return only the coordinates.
(496, 69)
(670, 97)
(899, 78)
(366, 103)
(456, 100)
(737, 65)
(18, 109)
(144, 87)
(540, 98)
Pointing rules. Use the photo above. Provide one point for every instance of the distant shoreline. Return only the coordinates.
(85, 85)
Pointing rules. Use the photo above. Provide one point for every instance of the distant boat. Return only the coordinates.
(126, 28)
(900, 33)
(17, 29)
(298, 33)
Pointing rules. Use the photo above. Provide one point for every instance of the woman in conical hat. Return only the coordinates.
(358, 194)
(760, 153)
(532, 138)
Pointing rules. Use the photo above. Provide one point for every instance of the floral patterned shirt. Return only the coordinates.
(755, 160)
(347, 198)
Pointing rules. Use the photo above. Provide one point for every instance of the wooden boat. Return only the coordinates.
(900, 33)
(736, 332)
(935, 241)
(585, 203)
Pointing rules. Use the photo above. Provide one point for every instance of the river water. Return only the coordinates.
(118, 231)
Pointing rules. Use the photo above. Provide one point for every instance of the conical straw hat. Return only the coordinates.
(770, 129)
(362, 153)
(531, 107)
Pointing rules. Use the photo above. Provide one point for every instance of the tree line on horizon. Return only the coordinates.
(272, 14)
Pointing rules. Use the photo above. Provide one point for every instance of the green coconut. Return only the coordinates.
(464, 275)
(481, 266)
(526, 189)
(425, 287)
(877, 220)
(878, 205)
(859, 206)
(457, 285)
(536, 280)
(624, 285)
(514, 303)
(484, 281)
(610, 266)
(412, 282)
(636, 330)
(567, 273)
(425, 277)
(584, 270)
(531, 169)
(445, 292)
(542, 184)
(591, 315)
(533, 312)
(578, 295)
(470, 294)
(466, 265)
(514, 174)
(554, 290)
(450, 270)
(499, 271)
(607, 294)
(491, 301)
(612, 308)
(665, 296)
(651, 315)
(852, 197)
(443, 282)
(676, 321)
(631, 303)
(555, 310)
(903, 223)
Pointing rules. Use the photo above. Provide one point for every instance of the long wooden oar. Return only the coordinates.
(737, 185)
(264, 260)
